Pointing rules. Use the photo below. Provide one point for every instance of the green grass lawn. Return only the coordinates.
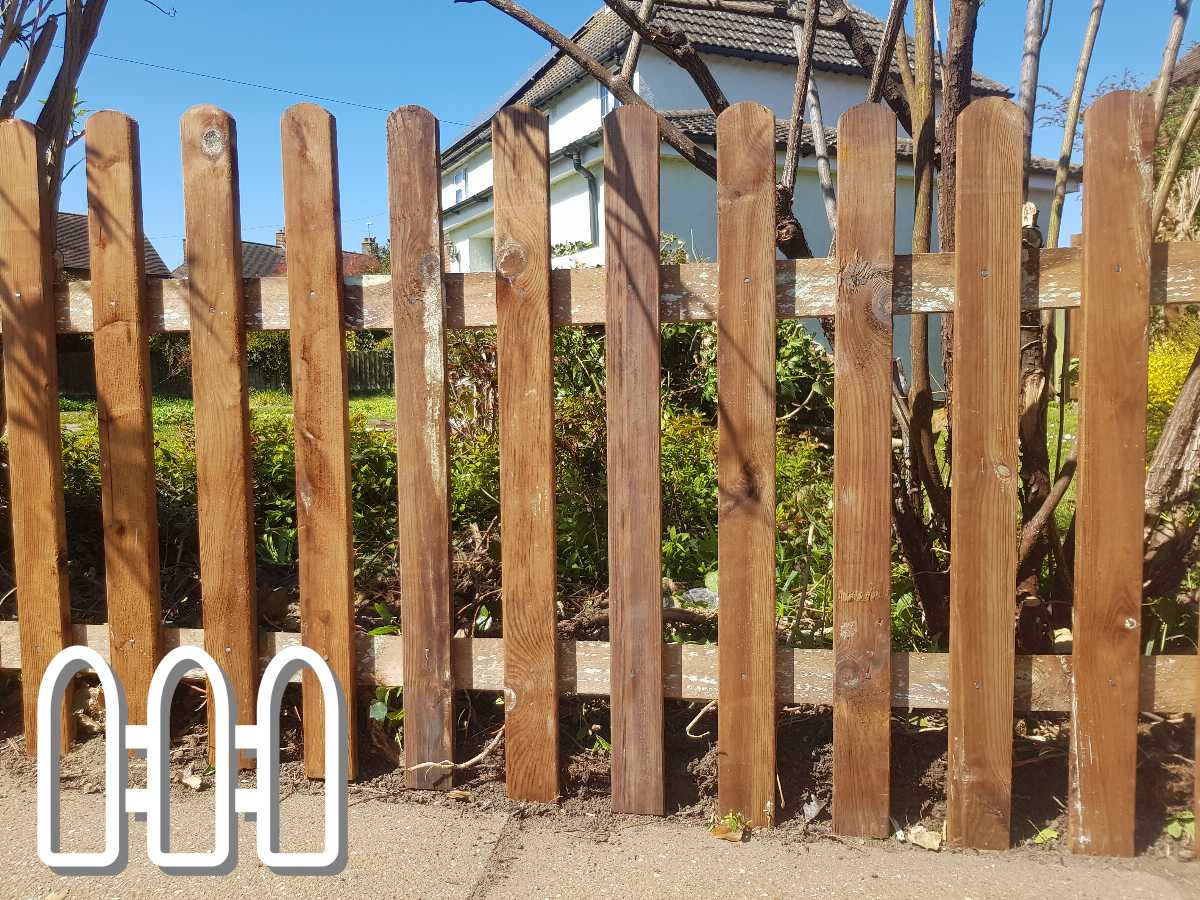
(171, 413)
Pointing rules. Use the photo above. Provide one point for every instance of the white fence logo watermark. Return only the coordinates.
(154, 738)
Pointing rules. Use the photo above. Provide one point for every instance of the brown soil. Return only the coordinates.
(804, 746)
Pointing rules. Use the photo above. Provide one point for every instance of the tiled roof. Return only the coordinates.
(262, 260)
(72, 235)
(605, 36)
(1187, 70)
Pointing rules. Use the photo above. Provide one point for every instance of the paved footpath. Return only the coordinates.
(413, 850)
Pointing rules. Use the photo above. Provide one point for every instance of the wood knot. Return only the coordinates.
(858, 275)
(511, 258)
(212, 142)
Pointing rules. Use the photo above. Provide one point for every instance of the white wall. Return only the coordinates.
(666, 86)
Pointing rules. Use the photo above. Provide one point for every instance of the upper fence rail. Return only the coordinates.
(804, 288)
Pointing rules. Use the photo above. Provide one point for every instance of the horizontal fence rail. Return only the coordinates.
(1042, 683)
(986, 285)
(804, 288)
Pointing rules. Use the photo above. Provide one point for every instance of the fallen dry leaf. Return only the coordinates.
(923, 837)
(464, 796)
(725, 833)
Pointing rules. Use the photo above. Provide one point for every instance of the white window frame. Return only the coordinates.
(459, 181)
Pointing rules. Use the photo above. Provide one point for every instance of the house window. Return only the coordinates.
(608, 102)
(460, 185)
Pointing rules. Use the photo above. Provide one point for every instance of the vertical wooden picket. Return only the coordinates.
(216, 307)
(633, 366)
(422, 445)
(31, 391)
(862, 471)
(983, 550)
(122, 350)
(1110, 504)
(312, 221)
(746, 461)
(524, 360)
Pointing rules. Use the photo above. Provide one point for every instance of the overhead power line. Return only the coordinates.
(250, 84)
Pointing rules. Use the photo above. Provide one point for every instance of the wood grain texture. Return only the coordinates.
(31, 393)
(919, 680)
(312, 219)
(862, 472)
(225, 502)
(524, 361)
(1118, 157)
(803, 288)
(422, 445)
(122, 350)
(634, 371)
(983, 535)
(746, 461)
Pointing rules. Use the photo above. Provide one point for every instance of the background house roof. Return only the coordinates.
(263, 260)
(72, 236)
(1187, 70)
(605, 36)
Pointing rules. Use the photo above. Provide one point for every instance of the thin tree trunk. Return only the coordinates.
(1175, 160)
(804, 37)
(887, 50)
(821, 151)
(1063, 170)
(634, 50)
(956, 94)
(1037, 22)
(1162, 87)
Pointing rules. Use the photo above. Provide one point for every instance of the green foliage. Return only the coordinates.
(1181, 825)
(387, 707)
(672, 251)
(569, 247)
(269, 352)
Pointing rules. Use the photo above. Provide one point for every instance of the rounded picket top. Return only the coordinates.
(51, 694)
(212, 131)
(275, 679)
(167, 676)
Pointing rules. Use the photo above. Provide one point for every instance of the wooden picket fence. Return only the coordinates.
(1118, 273)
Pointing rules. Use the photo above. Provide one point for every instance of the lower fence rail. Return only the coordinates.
(1042, 683)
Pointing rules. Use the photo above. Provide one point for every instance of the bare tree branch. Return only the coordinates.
(82, 25)
(821, 151)
(887, 49)
(1162, 87)
(865, 54)
(1175, 160)
(671, 132)
(1032, 531)
(956, 94)
(676, 46)
(634, 50)
(18, 89)
(1037, 23)
(923, 461)
(1074, 103)
(804, 37)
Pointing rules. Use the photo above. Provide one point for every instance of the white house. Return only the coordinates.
(751, 58)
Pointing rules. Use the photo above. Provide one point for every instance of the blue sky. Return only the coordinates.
(454, 58)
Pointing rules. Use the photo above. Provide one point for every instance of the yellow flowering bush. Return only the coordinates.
(1171, 357)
